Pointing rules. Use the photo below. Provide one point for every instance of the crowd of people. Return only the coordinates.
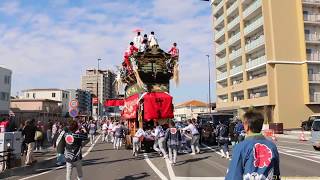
(68, 138)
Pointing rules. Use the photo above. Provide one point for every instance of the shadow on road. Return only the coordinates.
(135, 176)
(191, 160)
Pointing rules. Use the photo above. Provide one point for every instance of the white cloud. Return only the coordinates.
(10, 8)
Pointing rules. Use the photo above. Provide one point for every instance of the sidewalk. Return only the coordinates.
(294, 134)
(44, 157)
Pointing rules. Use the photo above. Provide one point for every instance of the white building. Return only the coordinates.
(190, 109)
(5, 89)
(52, 94)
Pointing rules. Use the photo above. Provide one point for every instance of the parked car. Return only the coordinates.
(208, 124)
(306, 125)
(315, 134)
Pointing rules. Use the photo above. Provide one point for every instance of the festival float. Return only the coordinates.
(145, 76)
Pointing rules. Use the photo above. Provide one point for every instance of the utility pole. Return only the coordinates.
(209, 82)
(98, 109)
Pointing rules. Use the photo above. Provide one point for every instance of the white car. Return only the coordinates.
(315, 134)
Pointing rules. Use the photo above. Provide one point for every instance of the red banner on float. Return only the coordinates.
(130, 107)
(114, 102)
(157, 105)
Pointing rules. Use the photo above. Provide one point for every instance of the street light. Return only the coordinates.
(209, 82)
(98, 110)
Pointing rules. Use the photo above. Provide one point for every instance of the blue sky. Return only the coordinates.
(51, 43)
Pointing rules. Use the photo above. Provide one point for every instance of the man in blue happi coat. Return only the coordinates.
(255, 158)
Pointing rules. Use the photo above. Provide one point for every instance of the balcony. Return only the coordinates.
(315, 98)
(222, 76)
(220, 62)
(253, 26)
(218, 7)
(314, 77)
(220, 48)
(312, 38)
(252, 8)
(255, 63)
(236, 71)
(313, 57)
(255, 44)
(233, 23)
(311, 18)
(232, 8)
(234, 39)
(235, 54)
(219, 20)
(311, 2)
(219, 34)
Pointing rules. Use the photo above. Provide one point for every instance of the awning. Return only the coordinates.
(114, 102)
(130, 107)
(157, 105)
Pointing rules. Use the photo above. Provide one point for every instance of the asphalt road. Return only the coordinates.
(297, 159)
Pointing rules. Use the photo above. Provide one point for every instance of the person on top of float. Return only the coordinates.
(174, 51)
(137, 40)
(152, 40)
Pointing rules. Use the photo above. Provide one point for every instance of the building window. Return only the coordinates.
(34, 95)
(28, 95)
(6, 79)
(66, 95)
(3, 96)
(62, 95)
(53, 95)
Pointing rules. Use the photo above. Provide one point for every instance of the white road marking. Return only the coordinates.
(291, 148)
(199, 178)
(170, 169)
(300, 157)
(154, 168)
(61, 167)
(302, 142)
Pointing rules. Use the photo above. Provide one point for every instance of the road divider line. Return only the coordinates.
(300, 157)
(154, 168)
(291, 148)
(303, 143)
(170, 170)
(62, 167)
(219, 153)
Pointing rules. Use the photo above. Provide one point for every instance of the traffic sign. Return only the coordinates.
(73, 104)
(73, 112)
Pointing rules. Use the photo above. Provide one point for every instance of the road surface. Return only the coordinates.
(101, 161)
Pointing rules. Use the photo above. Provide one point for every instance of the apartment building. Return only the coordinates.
(103, 81)
(52, 94)
(5, 89)
(267, 56)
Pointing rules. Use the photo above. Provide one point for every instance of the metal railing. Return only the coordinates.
(219, 34)
(221, 62)
(314, 77)
(256, 62)
(233, 23)
(235, 54)
(236, 70)
(222, 76)
(312, 1)
(221, 47)
(315, 97)
(232, 8)
(253, 26)
(312, 37)
(255, 43)
(312, 17)
(313, 57)
(219, 20)
(252, 8)
(218, 7)
(234, 38)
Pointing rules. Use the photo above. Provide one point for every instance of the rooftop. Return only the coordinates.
(44, 89)
(192, 103)
(34, 100)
